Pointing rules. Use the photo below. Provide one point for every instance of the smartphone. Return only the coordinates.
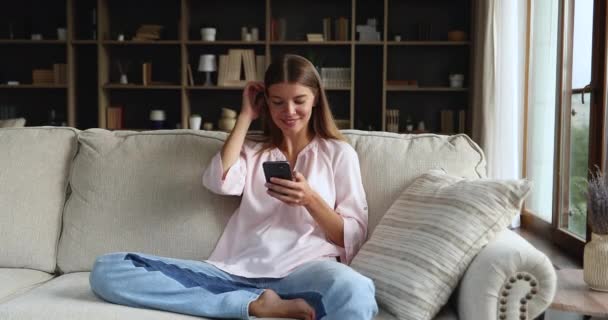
(277, 169)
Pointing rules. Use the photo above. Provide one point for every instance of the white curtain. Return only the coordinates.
(499, 67)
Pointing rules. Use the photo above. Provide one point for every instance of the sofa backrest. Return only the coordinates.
(142, 192)
(34, 168)
(390, 162)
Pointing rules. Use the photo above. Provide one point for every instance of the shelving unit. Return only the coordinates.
(91, 52)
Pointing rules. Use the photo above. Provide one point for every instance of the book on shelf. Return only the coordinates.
(453, 121)
(223, 68)
(190, 76)
(114, 117)
(249, 65)
(43, 76)
(341, 29)
(327, 29)
(260, 67)
(60, 73)
(447, 122)
(314, 37)
(278, 29)
(146, 73)
(234, 64)
(462, 120)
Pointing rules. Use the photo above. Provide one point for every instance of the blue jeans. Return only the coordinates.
(197, 288)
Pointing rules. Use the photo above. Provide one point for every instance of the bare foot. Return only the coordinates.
(270, 305)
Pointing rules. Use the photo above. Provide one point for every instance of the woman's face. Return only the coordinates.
(290, 106)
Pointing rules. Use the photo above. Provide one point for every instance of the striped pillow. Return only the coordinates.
(430, 234)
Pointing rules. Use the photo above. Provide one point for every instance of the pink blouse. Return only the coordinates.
(266, 238)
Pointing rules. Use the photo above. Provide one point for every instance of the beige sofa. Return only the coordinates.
(67, 196)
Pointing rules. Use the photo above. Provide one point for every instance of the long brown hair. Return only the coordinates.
(294, 69)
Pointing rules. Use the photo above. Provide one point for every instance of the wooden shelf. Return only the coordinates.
(310, 43)
(34, 86)
(428, 43)
(225, 42)
(199, 87)
(369, 43)
(424, 89)
(119, 86)
(337, 88)
(140, 43)
(26, 41)
(84, 41)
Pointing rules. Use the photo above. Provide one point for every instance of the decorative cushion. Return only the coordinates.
(428, 237)
(34, 168)
(142, 191)
(12, 123)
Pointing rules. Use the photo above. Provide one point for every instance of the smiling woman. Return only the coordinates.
(285, 250)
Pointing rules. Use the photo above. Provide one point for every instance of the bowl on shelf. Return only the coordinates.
(457, 35)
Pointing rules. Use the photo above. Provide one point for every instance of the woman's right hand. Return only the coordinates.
(249, 108)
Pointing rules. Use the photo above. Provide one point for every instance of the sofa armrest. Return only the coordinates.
(509, 279)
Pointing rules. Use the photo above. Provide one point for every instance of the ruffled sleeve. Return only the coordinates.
(234, 181)
(351, 202)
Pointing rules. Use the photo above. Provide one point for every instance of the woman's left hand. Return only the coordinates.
(293, 193)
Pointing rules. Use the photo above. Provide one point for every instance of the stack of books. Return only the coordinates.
(114, 117)
(148, 32)
(60, 73)
(314, 37)
(43, 76)
(231, 65)
(336, 77)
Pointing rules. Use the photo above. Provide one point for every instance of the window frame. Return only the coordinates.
(598, 131)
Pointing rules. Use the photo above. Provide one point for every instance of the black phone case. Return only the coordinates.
(277, 169)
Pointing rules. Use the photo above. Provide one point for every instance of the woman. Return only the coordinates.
(278, 254)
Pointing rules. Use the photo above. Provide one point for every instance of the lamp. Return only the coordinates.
(207, 64)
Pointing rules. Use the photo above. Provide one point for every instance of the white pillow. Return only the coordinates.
(423, 245)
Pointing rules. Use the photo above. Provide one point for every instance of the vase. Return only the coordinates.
(596, 262)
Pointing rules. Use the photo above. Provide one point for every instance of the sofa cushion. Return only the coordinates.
(142, 191)
(390, 162)
(428, 237)
(16, 281)
(34, 168)
(70, 297)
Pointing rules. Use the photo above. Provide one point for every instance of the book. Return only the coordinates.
(146, 73)
(223, 68)
(327, 29)
(114, 117)
(260, 67)
(314, 37)
(60, 73)
(235, 61)
(447, 121)
(43, 76)
(249, 64)
(462, 120)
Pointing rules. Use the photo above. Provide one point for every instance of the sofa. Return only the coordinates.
(68, 196)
